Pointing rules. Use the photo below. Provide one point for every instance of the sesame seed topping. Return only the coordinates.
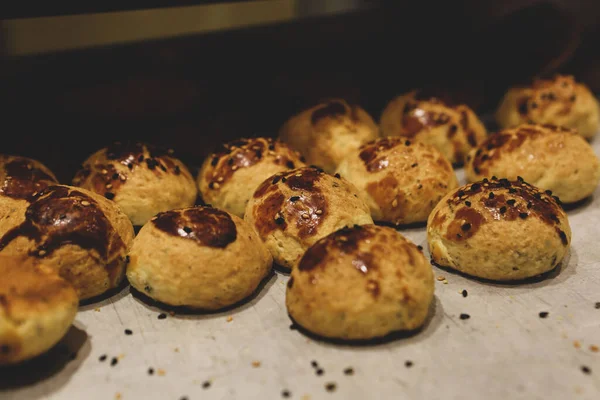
(466, 226)
(128, 332)
(294, 198)
(464, 316)
(491, 195)
(109, 195)
(319, 212)
(349, 371)
(220, 179)
(275, 180)
(102, 358)
(109, 186)
(468, 203)
(216, 185)
(338, 176)
(543, 314)
(511, 202)
(330, 387)
(464, 293)
(523, 215)
(395, 203)
(305, 216)
(85, 203)
(502, 209)
(408, 363)
(104, 172)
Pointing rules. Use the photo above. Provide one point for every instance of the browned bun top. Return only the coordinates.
(105, 179)
(507, 141)
(61, 215)
(306, 209)
(22, 177)
(486, 201)
(561, 89)
(246, 152)
(333, 109)
(205, 225)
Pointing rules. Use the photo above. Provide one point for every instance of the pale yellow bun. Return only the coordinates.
(292, 210)
(558, 101)
(452, 129)
(198, 257)
(143, 180)
(362, 282)
(400, 180)
(37, 308)
(548, 157)
(499, 230)
(78, 233)
(327, 132)
(230, 175)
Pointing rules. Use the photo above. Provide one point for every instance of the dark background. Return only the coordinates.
(190, 93)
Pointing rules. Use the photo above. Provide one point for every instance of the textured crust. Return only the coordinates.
(361, 283)
(78, 233)
(558, 101)
(499, 230)
(199, 257)
(37, 308)
(327, 132)
(292, 210)
(141, 179)
(230, 175)
(548, 157)
(401, 181)
(452, 129)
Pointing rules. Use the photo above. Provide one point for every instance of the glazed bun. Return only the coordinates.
(292, 210)
(548, 157)
(401, 181)
(21, 177)
(361, 283)
(327, 132)
(143, 180)
(558, 101)
(230, 175)
(37, 308)
(452, 129)
(198, 257)
(78, 233)
(499, 230)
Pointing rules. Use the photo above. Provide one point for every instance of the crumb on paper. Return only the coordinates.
(578, 389)
(576, 344)
(118, 396)
(229, 319)
(441, 278)
(172, 313)
(97, 309)
(176, 349)
(445, 281)
(255, 364)
(160, 372)
(306, 397)
(594, 348)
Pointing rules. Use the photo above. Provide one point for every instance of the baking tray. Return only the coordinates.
(505, 350)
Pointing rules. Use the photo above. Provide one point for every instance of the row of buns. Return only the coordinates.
(350, 278)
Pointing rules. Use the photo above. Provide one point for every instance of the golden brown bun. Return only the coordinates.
(401, 181)
(452, 129)
(361, 283)
(198, 257)
(37, 308)
(558, 101)
(548, 157)
(327, 132)
(498, 229)
(22, 177)
(78, 233)
(141, 179)
(229, 177)
(292, 210)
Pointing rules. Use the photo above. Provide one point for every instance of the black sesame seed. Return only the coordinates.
(162, 167)
(548, 192)
(460, 193)
(315, 364)
(115, 176)
(464, 316)
(512, 190)
(151, 163)
(283, 179)
(466, 226)
(468, 203)
(520, 179)
(502, 209)
(211, 185)
(177, 170)
(285, 394)
(543, 314)
(511, 202)
(290, 165)
(330, 387)
(494, 178)
(214, 161)
(586, 370)
(529, 204)
(130, 165)
(141, 158)
(538, 196)
(523, 215)
(275, 180)
(109, 195)
(597, 305)
(271, 147)
(491, 195)
(294, 198)
(128, 332)
(206, 385)
(102, 358)
(338, 176)
(150, 371)
(414, 165)
(420, 247)
(408, 364)
(349, 371)
(279, 220)
(465, 293)
(485, 180)
(187, 229)
(162, 316)
(475, 186)
(407, 143)
(320, 371)
(114, 361)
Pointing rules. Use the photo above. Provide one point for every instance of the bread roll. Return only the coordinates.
(23, 177)
(401, 181)
(558, 101)
(37, 308)
(361, 283)
(548, 157)
(452, 129)
(230, 175)
(327, 132)
(198, 257)
(499, 230)
(292, 210)
(78, 233)
(142, 179)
